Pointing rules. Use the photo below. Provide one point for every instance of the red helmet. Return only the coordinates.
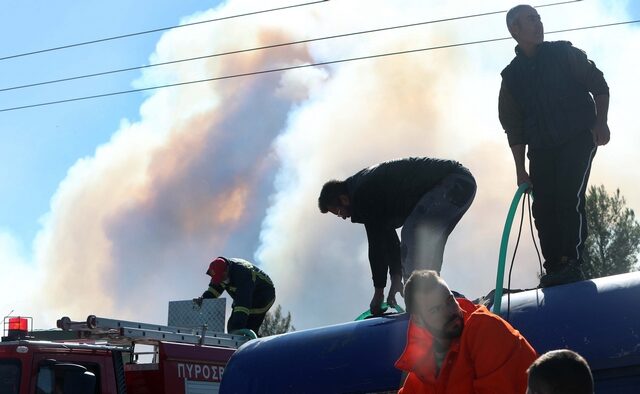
(216, 270)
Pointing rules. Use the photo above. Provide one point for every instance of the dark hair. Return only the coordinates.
(561, 371)
(330, 194)
(420, 281)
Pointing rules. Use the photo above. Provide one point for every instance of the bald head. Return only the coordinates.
(514, 13)
(432, 305)
(526, 27)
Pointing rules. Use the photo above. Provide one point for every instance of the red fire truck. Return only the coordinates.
(109, 356)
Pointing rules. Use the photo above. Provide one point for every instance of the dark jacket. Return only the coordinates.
(251, 289)
(545, 100)
(382, 196)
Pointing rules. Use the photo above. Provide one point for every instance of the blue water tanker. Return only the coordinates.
(600, 319)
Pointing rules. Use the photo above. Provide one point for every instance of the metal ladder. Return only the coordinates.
(127, 332)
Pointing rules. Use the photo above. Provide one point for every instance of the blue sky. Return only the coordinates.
(40, 144)
(234, 167)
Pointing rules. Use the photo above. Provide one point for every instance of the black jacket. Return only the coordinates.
(545, 100)
(249, 287)
(382, 196)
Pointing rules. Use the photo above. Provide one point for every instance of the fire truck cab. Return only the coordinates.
(108, 356)
(44, 367)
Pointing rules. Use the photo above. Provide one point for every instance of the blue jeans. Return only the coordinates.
(425, 231)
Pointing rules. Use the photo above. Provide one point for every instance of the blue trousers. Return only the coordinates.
(425, 231)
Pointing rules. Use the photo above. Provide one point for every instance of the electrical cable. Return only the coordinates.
(535, 244)
(533, 237)
(157, 30)
(281, 69)
(272, 46)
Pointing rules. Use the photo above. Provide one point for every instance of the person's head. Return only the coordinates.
(334, 198)
(560, 371)
(525, 26)
(218, 270)
(432, 305)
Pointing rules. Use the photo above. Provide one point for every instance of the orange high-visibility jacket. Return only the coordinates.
(489, 357)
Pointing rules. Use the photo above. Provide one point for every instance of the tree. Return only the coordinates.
(275, 323)
(614, 235)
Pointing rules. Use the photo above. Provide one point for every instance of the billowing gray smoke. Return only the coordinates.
(235, 167)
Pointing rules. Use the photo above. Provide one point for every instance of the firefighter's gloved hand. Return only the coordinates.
(376, 302)
(198, 301)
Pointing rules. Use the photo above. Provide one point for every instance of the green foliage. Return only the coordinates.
(614, 235)
(276, 323)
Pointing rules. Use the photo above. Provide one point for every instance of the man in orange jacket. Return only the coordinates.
(454, 346)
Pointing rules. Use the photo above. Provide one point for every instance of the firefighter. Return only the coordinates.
(251, 289)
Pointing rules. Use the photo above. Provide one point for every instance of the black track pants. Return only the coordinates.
(559, 176)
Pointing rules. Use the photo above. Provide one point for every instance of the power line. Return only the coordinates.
(272, 46)
(156, 30)
(274, 70)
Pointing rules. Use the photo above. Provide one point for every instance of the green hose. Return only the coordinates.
(384, 307)
(246, 332)
(497, 298)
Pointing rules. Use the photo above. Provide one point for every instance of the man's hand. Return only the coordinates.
(601, 134)
(197, 301)
(376, 302)
(396, 287)
(523, 177)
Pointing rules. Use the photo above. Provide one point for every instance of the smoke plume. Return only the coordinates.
(234, 167)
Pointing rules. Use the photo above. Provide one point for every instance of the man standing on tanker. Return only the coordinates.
(546, 103)
(425, 196)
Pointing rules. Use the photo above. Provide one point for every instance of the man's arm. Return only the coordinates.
(511, 119)
(213, 291)
(601, 133)
(500, 356)
(586, 72)
(522, 176)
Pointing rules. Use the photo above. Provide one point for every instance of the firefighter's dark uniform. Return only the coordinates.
(252, 292)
